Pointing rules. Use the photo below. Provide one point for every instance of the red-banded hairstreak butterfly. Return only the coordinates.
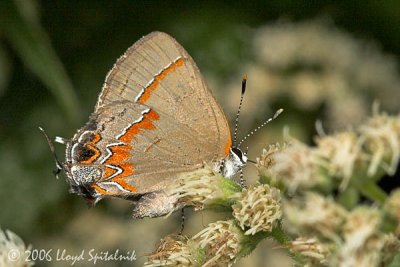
(155, 118)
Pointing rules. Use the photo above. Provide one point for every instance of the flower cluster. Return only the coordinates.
(219, 244)
(382, 141)
(203, 187)
(348, 164)
(174, 251)
(294, 165)
(314, 215)
(350, 156)
(255, 211)
(364, 244)
(306, 200)
(258, 209)
(316, 252)
(314, 64)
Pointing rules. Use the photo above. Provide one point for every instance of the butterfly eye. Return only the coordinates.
(242, 156)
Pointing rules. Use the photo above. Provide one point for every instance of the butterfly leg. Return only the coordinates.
(242, 181)
(182, 221)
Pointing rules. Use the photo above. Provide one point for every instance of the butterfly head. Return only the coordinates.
(80, 168)
(235, 161)
(80, 176)
(236, 158)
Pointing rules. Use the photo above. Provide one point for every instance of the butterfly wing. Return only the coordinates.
(155, 118)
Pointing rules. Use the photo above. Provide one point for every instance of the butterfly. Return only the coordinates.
(155, 118)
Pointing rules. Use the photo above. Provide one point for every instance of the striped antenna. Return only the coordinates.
(239, 108)
(277, 113)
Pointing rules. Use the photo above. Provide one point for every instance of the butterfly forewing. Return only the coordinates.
(155, 118)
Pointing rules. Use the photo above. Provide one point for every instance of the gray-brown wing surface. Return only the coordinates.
(156, 117)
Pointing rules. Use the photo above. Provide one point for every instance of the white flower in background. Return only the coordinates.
(315, 252)
(382, 140)
(340, 154)
(295, 166)
(364, 244)
(314, 215)
(315, 64)
(266, 160)
(12, 250)
(362, 224)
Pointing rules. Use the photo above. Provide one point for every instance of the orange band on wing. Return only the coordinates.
(159, 77)
(108, 172)
(124, 184)
(120, 153)
(228, 144)
(145, 123)
(100, 190)
(91, 146)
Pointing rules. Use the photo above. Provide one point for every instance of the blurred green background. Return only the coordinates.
(319, 60)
